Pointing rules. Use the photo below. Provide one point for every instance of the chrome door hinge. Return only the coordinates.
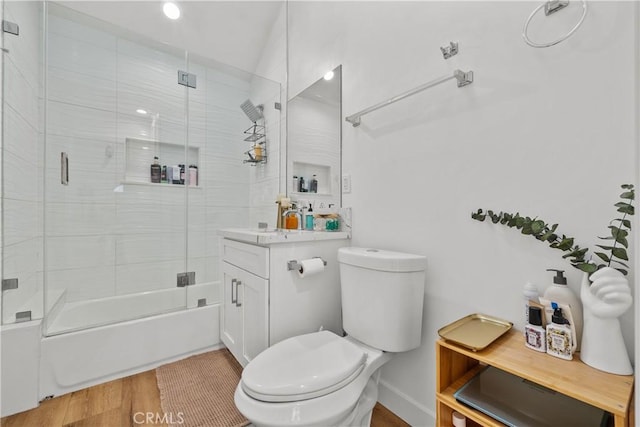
(186, 79)
(186, 279)
(9, 284)
(10, 27)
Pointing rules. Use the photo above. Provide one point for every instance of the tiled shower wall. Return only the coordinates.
(105, 237)
(21, 151)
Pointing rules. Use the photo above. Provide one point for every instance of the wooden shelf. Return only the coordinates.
(456, 365)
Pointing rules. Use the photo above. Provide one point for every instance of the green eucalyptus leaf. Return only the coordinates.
(620, 262)
(606, 248)
(622, 270)
(627, 186)
(586, 267)
(565, 244)
(620, 253)
(625, 208)
(617, 231)
(603, 256)
(627, 195)
(622, 241)
(537, 226)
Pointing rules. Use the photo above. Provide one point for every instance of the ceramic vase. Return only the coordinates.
(605, 296)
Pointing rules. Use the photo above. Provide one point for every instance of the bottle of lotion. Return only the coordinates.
(561, 293)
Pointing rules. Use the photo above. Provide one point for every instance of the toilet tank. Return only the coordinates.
(382, 297)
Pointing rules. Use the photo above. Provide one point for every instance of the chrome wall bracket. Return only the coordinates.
(552, 6)
(463, 78)
(186, 279)
(8, 284)
(295, 265)
(449, 51)
(23, 316)
(10, 27)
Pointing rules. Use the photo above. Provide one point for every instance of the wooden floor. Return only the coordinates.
(123, 402)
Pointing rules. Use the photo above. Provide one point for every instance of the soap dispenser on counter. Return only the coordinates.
(560, 293)
(560, 342)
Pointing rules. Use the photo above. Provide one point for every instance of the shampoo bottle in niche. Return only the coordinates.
(313, 185)
(156, 171)
(534, 333)
(561, 293)
(559, 339)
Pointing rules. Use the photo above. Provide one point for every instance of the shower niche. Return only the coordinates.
(139, 156)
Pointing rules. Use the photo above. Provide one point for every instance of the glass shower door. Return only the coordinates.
(22, 295)
(116, 117)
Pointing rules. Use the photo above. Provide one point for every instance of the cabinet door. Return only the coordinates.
(254, 293)
(231, 319)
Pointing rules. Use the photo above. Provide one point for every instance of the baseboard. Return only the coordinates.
(405, 407)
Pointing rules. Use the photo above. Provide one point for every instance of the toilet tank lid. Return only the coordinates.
(378, 259)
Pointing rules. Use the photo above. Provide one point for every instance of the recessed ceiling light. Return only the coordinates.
(171, 10)
(141, 111)
(329, 75)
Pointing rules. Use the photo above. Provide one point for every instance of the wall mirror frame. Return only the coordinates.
(314, 143)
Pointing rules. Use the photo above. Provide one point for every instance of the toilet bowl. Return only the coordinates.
(314, 379)
(323, 379)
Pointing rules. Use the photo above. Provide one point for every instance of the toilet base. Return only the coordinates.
(361, 415)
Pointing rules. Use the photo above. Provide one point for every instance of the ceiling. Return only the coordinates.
(232, 32)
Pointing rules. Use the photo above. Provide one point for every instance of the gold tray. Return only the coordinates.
(475, 331)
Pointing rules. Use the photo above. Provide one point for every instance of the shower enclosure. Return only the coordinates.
(93, 234)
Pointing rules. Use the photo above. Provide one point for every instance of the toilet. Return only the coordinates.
(323, 379)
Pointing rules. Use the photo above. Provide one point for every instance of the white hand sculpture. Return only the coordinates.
(603, 301)
(609, 294)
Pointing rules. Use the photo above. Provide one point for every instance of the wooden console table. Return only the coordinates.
(457, 365)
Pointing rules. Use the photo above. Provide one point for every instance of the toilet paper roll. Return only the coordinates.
(310, 267)
(459, 420)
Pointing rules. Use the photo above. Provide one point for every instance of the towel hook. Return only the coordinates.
(550, 7)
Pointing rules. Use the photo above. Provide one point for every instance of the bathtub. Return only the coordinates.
(73, 357)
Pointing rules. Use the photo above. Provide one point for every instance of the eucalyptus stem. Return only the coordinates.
(575, 255)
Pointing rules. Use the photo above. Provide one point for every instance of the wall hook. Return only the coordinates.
(449, 51)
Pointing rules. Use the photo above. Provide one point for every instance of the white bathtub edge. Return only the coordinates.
(20, 349)
(74, 361)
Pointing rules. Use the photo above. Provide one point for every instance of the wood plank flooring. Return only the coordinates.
(121, 403)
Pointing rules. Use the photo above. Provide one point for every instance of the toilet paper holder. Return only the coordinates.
(295, 265)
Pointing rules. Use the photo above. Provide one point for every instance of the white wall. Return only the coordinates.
(546, 132)
(22, 229)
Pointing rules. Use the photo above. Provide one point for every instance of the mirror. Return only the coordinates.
(314, 144)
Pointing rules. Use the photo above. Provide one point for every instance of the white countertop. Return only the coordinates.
(273, 236)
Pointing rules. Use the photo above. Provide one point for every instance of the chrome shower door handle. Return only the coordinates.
(64, 168)
(238, 303)
(234, 300)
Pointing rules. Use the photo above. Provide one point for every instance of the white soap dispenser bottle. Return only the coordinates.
(559, 339)
(561, 293)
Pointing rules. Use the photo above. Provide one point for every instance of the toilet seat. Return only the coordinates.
(303, 367)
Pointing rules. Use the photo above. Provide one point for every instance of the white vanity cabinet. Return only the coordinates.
(264, 302)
